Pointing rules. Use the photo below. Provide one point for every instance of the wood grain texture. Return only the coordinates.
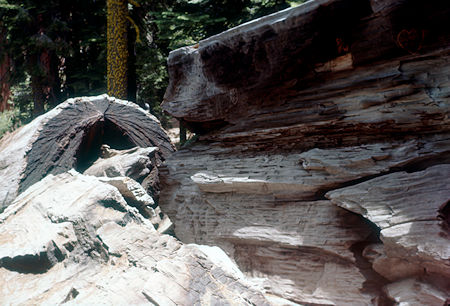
(406, 207)
(250, 202)
(70, 136)
(264, 84)
(331, 95)
(70, 231)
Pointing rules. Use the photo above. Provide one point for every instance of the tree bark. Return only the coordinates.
(5, 75)
(5, 90)
(117, 48)
(132, 84)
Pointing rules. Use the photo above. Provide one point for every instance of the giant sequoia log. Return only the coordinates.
(99, 238)
(323, 152)
(70, 136)
(353, 71)
(76, 239)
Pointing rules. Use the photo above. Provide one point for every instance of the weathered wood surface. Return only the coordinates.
(266, 210)
(267, 77)
(72, 239)
(416, 292)
(70, 136)
(298, 104)
(408, 208)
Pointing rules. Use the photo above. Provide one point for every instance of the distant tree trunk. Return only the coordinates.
(117, 48)
(54, 81)
(48, 65)
(5, 90)
(5, 72)
(38, 95)
(45, 84)
(37, 88)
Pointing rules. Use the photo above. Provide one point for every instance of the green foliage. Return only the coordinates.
(7, 121)
(59, 44)
(152, 80)
(184, 23)
(21, 114)
(175, 23)
(73, 33)
(85, 55)
(23, 101)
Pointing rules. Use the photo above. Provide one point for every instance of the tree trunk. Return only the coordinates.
(54, 82)
(38, 95)
(5, 68)
(45, 83)
(5, 90)
(117, 48)
(131, 66)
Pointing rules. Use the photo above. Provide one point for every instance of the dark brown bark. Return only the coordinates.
(5, 90)
(71, 136)
(5, 73)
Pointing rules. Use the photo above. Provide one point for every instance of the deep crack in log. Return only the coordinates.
(70, 136)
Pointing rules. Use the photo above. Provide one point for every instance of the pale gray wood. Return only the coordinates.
(308, 100)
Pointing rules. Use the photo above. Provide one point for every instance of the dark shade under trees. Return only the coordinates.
(58, 49)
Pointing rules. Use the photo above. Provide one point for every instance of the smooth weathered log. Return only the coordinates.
(72, 238)
(291, 107)
(407, 208)
(70, 136)
(260, 206)
(341, 68)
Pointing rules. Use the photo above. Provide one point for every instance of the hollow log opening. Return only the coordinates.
(89, 150)
(102, 132)
(71, 136)
(37, 264)
(116, 137)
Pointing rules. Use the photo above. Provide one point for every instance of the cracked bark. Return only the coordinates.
(49, 145)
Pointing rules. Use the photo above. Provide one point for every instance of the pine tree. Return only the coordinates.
(117, 48)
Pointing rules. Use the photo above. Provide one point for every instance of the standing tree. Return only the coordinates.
(56, 50)
(117, 47)
(5, 72)
(29, 42)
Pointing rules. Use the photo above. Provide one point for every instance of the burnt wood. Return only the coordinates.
(70, 136)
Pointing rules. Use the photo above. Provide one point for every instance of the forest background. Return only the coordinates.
(56, 49)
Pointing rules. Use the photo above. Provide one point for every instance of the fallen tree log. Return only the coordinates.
(70, 136)
(70, 231)
(355, 71)
(317, 125)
